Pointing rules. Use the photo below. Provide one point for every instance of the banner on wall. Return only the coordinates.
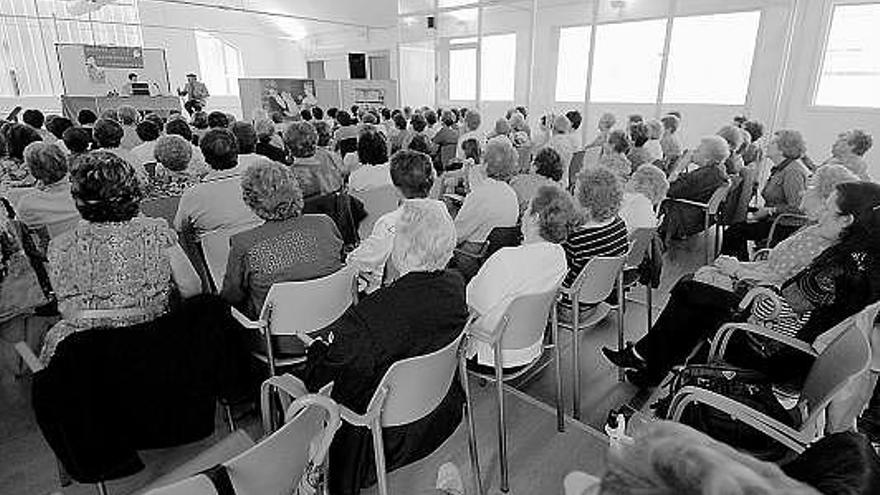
(284, 97)
(114, 57)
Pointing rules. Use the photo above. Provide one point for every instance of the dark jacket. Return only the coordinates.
(417, 314)
(273, 153)
(682, 220)
(110, 392)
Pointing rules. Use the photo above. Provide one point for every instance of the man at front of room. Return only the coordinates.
(196, 94)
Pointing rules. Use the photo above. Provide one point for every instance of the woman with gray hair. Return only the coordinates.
(50, 204)
(316, 168)
(289, 246)
(491, 202)
(173, 176)
(421, 312)
(644, 192)
(782, 194)
(698, 185)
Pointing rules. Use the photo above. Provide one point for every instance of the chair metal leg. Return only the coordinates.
(469, 416)
(270, 361)
(557, 364)
(230, 420)
(502, 425)
(63, 477)
(649, 298)
(102, 488)
(621, 308)
(706, 235)
(379, 453)
(576, 359)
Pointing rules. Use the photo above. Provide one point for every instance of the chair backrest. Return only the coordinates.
(501, 237)
(598, 278)
(276, 464)
(640, 246)
(526, 318)
(718, 198)
(447, 153)
(845, 358)
(215, 250)
(309, 305)
(377, 202)
(161, 208)
(413, 387)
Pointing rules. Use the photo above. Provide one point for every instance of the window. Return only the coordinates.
(498, 69)
(220, 63)
(572, 65)
(25, 68)
(626, 68)
(850, 72)
(463, 74)
(718, 76)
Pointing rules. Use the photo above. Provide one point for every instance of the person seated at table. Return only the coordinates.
(287, 247)
(13, 171)
(148, 132)
(599, 231)
(215, 204)
(546, 170)
(782, 194)
(173, 175)
(114, 259)
(698, 185)
(128, 119)
(832, 285)
(491, 202)
(316, 169)
(537, 266)
(412, 175)
(421, 312)
(642, 195)
(372, 154)
(50, 204)
(849, 150)
(615, 148)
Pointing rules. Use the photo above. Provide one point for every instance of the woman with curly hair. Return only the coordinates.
(317, 169)
(114, 259)
(289, 246)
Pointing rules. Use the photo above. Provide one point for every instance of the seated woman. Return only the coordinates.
(491, 202)
(640, 154)
(837, 283)
(372, 153)
(733, 135)
(614, 150)
(269, 144)
(50, 205)
(421, 312)
(546, 170)
(318, 170)
(173, 155)
(600, 230)
(782, 194)
(644, 192)
(538, 265)
(412, 175)
(14, 138)
(682, 220)
(114, 259)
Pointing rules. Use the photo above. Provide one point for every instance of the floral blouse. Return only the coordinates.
(114, 265)
(166, 183)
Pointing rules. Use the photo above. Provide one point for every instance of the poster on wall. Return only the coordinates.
(114, 57)
(281, 97)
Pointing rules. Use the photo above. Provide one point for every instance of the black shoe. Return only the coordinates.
(641, 379)
(625, 359)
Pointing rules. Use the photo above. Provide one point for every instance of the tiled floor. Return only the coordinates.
(28, 467)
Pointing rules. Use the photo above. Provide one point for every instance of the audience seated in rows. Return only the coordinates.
(114, 259)
(829, 272)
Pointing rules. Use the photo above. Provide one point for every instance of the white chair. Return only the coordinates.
(276, 464)
(640, 249)
(845, 358)
(710, 212)
(305, 306)
(524, 322)
(604, 274)
(377, 202)
(215, 250)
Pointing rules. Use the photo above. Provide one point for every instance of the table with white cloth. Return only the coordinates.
(161, 105)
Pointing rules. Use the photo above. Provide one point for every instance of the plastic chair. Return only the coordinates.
(847, 357)
(447, 154)
(469, 263)
(640, 249)
(377, 202)
(304, 306)
(710, 212)
(215, 251)
(523, 323)
(161, 208)
(604, 274)
(410, 390)
(276, 464)
(785, 220)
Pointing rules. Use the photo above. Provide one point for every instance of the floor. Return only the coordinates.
(539, 457)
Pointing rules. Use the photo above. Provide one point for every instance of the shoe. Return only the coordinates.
(449, 479)
(641, 379)
(625, 359)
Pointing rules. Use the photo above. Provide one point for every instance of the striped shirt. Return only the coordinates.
(585, 243)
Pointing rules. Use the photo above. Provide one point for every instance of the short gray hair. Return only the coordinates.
(826, 178)
(790, 143)
(424, 237)
(600, 193)
(500, 158)
(650, 181)
(717, 149)
(173, 152)
(46, 162)
(271, 190)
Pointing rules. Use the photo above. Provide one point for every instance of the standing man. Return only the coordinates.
(196, 94)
